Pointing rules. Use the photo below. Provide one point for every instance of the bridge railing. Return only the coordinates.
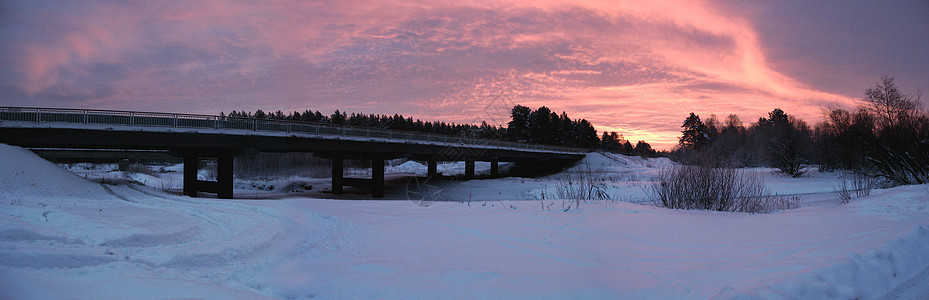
(173, 120)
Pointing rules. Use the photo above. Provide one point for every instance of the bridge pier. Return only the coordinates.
(432, 166)
(337, 175)
(494, 168)
(376, 183)
(469, 169)
(377, 178)
(224, 174)
(123, 164)
(190, 175)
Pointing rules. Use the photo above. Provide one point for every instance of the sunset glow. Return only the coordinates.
(636, 67)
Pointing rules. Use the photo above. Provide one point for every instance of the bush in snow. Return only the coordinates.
(720, 189)
(853, 186)
(580, 186)
(140, 169)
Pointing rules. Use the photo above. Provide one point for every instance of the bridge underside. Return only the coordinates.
(196, 146)
(376, 182)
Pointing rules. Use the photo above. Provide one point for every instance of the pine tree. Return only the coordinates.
(518, 128)
(611, 142)
(626, 148)
(644, 149)
(338, 117)
(540, 126)
(777, 117)
(694, 133)
(587, 135)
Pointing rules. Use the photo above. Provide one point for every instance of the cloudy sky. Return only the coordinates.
(636, 67)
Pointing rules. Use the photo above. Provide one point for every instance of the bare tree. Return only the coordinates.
(888, 137)
(889, 104)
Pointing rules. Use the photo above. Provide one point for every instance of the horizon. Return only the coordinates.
(635, 68)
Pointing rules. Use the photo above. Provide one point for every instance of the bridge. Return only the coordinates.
(193, 137)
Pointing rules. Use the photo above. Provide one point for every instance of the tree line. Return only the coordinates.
(396, 121)
(544, 126)
(886, 136)
(540, 126)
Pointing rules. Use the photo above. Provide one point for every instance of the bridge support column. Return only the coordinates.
(494, 168)
(432, 166)
(376, 183)
(377, 178)
(337, 182)
(224, 176)
(190, 175)
(469, 169)
(124, 164)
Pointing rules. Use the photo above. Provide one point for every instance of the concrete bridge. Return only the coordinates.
(96, 133)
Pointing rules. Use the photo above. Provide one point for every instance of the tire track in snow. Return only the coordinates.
(201, 240)
(502, 241)
(227, 233)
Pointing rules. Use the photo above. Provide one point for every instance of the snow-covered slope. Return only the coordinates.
(23, 177)
(64, 237)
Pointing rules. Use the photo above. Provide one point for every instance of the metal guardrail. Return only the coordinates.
(172, 120)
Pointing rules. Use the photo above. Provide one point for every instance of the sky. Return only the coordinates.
(635, 67)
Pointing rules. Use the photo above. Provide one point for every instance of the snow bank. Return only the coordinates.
(408, 167)
(885, 269)
(867, 275)
(24, 176)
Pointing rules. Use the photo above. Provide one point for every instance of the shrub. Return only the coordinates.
(582, 185)
(140, 169)
(719, 189)
(853, 186)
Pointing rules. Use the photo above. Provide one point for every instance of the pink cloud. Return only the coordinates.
(636, 67)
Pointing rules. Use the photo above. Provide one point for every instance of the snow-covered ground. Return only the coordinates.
(63, 236)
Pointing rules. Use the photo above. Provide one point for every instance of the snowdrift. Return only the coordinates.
(25, 177)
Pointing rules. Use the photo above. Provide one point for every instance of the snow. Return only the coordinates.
(63, 236)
